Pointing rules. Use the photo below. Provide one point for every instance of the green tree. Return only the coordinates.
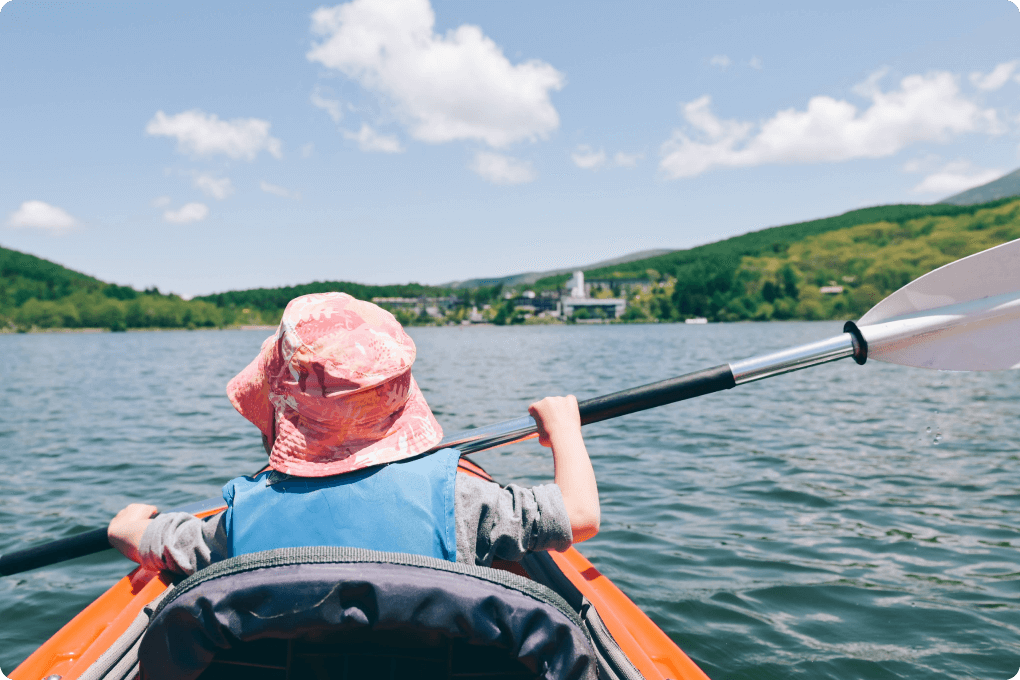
(789, 279)
(634, 313)
(503, 313)
(784, 308)
(38, 314)
(111, 316)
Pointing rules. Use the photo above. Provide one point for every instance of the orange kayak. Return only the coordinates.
(618, 629)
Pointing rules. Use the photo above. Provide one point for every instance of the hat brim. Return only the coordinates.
(249, 390)
(306, 451)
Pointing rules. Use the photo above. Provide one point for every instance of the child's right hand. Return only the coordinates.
(559, 428)
(556, 417)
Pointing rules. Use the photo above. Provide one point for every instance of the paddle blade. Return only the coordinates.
(964, 316)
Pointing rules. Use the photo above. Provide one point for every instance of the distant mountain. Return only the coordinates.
(531, 277)
(1004, 187)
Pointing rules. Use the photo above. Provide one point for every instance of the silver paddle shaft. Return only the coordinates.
(793, 359)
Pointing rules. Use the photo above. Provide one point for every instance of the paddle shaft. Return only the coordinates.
(79, 545)
(688, 386)
(59, 550)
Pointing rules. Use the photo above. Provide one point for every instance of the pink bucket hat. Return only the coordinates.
(336, 381)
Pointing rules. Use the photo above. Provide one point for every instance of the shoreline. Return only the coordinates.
(584, 322)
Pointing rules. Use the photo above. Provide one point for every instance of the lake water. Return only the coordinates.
(840, 522)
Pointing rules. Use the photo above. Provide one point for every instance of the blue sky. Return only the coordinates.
(203, 147)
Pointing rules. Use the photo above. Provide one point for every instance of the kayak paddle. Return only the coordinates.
(964, 316)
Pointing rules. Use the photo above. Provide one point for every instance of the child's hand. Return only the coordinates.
(556, 417)
(126, 528)
(559, 428)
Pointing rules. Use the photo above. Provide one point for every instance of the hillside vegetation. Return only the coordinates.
(775, 273)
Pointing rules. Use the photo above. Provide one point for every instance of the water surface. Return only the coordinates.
(841, 522)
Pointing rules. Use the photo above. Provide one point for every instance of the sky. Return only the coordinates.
(202, 147)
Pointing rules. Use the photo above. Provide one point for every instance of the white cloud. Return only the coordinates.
(39, 215)
(500, 169)
(331, 106)
(455, 86)
(307, 150)
(276, 190)
(370, 140)
(870, 87)
(720, 60)
(587, 158)
(924, 109)
(998, 76)
(161, 202)
(204, 134)
(956, 177)
(627, 160)
(756, 63)
(217, 187)
(187, 213)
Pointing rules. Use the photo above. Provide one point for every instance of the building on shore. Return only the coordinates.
(578, 300)
(576, 286)
(531, 303)
(611, 308)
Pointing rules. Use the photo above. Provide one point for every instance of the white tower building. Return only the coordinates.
(577, 285)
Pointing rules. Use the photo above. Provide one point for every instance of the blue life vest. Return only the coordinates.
(402, 507)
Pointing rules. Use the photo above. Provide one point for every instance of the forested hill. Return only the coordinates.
(39, 294)
(27, 276)
(836, 267)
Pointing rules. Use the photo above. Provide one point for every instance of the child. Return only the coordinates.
(345, 427)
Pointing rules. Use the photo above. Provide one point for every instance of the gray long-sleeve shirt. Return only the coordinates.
(492, 522)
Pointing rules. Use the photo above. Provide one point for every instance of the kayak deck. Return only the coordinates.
(88, 636)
